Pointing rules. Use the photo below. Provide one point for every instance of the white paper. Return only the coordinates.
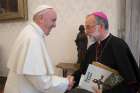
(93, 72)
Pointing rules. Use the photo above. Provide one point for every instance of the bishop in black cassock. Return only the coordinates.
(112, 52)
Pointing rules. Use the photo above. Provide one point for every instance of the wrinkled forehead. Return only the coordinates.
(90, 20)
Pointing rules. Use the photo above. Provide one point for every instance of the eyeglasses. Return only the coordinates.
(89, 26)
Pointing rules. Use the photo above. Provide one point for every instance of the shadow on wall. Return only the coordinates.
(2, 78)
(0, 62)
(3, 62)
(2, 83)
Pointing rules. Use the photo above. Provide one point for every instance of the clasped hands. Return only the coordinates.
(71, 82)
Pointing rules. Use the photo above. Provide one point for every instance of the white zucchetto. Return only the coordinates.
(41, 8)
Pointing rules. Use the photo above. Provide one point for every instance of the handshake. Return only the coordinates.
(71, 82)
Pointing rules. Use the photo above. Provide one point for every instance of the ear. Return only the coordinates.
(40, 19)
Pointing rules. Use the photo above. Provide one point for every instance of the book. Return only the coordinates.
(100, 77)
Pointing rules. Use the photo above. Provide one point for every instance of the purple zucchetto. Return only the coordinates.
(100, 14)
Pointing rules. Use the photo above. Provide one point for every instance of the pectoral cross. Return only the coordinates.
(99, 82)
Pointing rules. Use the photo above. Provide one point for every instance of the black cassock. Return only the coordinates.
(116, 54)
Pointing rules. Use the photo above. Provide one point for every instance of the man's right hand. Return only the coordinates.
(71, 82)
(96, 90)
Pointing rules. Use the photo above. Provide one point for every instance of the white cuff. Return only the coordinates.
(48, 84)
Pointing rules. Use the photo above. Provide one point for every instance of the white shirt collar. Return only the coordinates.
(107, 35)
(104, 38)
(38, 29)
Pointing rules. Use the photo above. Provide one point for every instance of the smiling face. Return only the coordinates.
(47, 20)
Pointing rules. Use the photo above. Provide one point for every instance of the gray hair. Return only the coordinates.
(102, 21)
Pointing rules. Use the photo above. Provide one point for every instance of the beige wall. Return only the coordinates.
(60, 42)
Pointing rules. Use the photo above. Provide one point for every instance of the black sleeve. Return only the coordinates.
(83, 67)
(123, 61)
(82, 70)
(77, 76)
(121, 88)
(127, 67)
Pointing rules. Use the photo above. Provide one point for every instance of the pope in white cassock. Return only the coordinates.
(30, 68)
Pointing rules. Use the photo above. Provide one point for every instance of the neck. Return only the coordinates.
(104, 35)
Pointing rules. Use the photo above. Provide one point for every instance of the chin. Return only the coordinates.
(47, 34)
(90, 35)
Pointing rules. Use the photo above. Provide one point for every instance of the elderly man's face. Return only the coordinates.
(49, 21)
(92, 29)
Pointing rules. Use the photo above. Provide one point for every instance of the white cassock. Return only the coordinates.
(30, 68)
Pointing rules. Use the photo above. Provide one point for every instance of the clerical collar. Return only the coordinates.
(104, 38)
(38, 29)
